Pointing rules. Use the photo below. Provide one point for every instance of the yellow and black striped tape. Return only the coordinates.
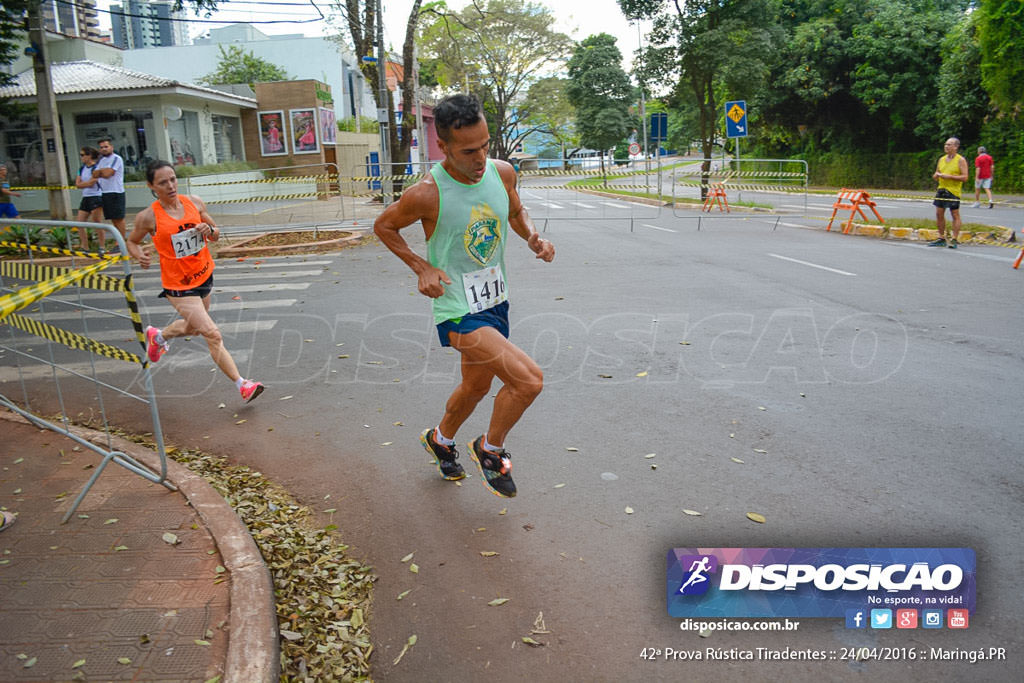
(65, 252)
(71, 339)
(32, 293)
(33, 271)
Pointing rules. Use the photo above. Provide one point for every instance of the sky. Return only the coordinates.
(577, 18)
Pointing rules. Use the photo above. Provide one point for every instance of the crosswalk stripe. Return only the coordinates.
(160, 306)
(192, 358)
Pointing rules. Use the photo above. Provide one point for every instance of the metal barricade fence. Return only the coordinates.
(52, 331)
(692, 179)
(286, 197)
(622, 192)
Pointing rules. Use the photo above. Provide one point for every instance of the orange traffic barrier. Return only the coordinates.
(716, 195)
(1020, 257)
(852, 201)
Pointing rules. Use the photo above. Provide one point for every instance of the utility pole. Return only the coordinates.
(421, 131)
(643, 102)
(55, 169)
(383, 117)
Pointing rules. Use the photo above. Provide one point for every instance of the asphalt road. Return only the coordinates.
(869, 389)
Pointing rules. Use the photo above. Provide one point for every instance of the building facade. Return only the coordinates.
(138, 24)
(72, 19)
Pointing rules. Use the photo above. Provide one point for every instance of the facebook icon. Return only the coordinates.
(855, 618)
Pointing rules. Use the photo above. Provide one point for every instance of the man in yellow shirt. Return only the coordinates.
(951, 172)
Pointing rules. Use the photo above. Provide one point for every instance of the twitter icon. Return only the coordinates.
(881, 618)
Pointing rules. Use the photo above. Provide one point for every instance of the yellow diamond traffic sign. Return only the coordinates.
(736, 113)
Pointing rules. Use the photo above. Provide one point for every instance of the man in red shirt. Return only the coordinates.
(982, 176)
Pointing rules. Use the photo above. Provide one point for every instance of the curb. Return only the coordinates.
(253, 654)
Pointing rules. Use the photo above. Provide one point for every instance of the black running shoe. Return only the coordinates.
(941, 242)
(446, 457)
(953, 243)
(495, 468)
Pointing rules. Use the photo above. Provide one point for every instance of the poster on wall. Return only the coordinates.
(328, 126)
(272, 142)
(304, 137)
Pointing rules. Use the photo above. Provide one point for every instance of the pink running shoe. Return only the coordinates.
(153, 349)
(251, 390)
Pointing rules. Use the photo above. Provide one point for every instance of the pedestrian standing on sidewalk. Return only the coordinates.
(466, 205)
(91, 207)
(951, 172)
(110, 172)
(180, 227)
(983, 164)
(7, 209)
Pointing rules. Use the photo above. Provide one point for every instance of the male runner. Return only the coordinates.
(466, 205)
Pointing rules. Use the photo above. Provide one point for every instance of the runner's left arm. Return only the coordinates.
(207, 228)
(519, 220)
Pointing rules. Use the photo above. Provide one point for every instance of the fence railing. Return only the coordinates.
(54, 364)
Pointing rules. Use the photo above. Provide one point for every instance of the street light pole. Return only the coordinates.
(49, 119)
(383, 117)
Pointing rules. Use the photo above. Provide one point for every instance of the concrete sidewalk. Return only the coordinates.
(106, 589)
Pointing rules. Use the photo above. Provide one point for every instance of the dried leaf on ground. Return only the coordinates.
(572, 449)
(737, 460)
(756, 517)
(629, 510)
(497, 602)
(488, 553)
(409, 643)
(692, 513)
(170, 538)
(407, 557)
(531, 642)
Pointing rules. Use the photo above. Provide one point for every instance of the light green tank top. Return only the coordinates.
(469, 242)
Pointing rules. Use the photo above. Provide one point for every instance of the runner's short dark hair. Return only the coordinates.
(456, 111)
(155, 166)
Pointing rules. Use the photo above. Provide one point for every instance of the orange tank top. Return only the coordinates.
(185, 262)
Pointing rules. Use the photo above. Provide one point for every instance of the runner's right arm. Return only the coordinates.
(144, 224)
(418, 203)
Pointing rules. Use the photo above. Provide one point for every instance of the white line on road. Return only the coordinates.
(585, 206)
(615, 205)
(220, 277)
(157, 309)
(655, 227)
(813, 265)
(550, 205)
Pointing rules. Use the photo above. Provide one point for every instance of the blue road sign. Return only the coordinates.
(659, 126)
(736, 119)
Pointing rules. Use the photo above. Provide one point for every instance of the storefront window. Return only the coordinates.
(184, 137)
(227, 138)
(129, 132)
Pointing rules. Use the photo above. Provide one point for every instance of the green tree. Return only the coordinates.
(898, 60)
(702, 49)
(12, 34)
(601, 93)
(360, 22)
(962, 101)
(238, 66)
(1001, 39)
(496, 49)
(550, 113)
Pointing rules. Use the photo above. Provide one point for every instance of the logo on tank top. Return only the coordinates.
(482, 234)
